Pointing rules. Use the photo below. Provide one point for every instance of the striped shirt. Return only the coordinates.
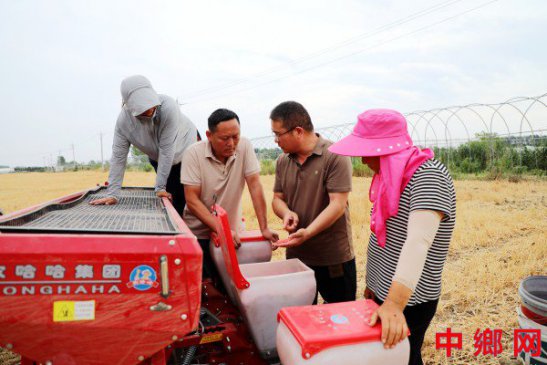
(430, 188)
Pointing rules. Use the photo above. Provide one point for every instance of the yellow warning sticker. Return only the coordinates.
(68, 311)
(214, 337)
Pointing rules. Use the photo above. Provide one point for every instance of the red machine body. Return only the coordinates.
(97, 298)
(122, 316)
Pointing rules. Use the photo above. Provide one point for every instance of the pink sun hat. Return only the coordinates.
(378, 132)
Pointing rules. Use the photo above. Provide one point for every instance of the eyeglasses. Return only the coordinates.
(277, 134)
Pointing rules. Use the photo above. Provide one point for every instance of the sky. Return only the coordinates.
(61, 62)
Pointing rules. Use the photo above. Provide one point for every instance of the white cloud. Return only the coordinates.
(61, 62)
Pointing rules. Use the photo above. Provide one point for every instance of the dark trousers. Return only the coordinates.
(336, 283)
(418, 318)
(209, 268)
(174, 186)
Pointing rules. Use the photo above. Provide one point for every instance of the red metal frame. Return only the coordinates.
(226, 243)
(64, 199)
(251, 236)
(235, 346)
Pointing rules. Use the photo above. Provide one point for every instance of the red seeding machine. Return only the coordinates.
(121, 284)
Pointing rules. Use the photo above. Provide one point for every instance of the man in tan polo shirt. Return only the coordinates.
(311, 196)
(219, 167)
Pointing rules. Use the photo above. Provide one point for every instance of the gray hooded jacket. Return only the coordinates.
(164, 138)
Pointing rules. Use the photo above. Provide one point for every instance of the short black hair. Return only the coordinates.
(292, 114)
(219, 116)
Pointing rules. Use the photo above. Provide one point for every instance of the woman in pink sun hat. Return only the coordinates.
(412, 220)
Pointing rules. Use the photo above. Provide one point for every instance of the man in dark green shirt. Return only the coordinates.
(311, 196)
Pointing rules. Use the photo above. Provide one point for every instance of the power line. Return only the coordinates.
(102, 157)
(68, 149)
(331, 48)
(379, 44)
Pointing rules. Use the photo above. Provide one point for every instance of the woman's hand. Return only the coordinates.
(164, 194)
(104, 201)
(394, 326)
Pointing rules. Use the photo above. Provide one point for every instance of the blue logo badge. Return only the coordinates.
(142, 278)
(339, 319)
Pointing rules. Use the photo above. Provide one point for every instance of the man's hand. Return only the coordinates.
(215, 238)
(270, 235)
(164, 194)
(295, 239)
(290, 221)
(104, 201)
(237, 241)
(394, 327)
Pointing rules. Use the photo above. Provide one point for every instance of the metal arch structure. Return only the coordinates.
(447, 134)
(519, 121)
(535, 100)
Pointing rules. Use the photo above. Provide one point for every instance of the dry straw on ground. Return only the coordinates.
(500, 238)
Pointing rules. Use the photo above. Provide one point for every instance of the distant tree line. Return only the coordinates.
(30, 169)
(498, 156)
(489, 155)
(139, 161)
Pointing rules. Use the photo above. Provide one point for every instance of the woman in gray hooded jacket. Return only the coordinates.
(155, 125)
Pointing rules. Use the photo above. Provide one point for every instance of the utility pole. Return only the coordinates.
(73, 157)
(102, 158)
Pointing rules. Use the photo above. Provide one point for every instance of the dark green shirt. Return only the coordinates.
(306, 191)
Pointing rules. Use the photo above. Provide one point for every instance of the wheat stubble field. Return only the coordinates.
(500, 238)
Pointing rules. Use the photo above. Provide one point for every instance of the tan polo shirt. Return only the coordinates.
(201, 168)
(306, 190)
